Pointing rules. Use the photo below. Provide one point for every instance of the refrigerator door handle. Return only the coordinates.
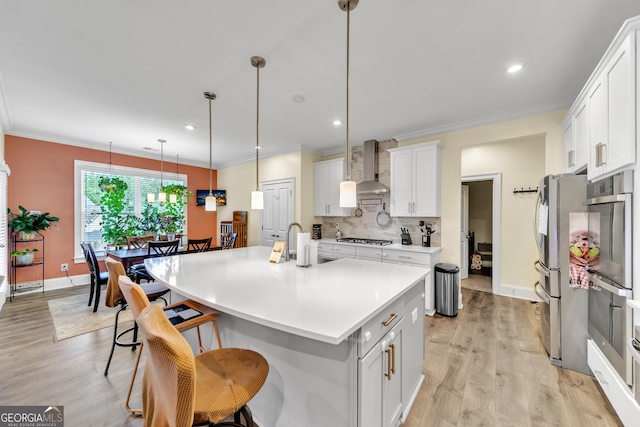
(542, 270)
(541, 293)
(536, 214)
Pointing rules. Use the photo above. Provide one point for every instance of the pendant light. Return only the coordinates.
(210, 200)
(257, 197)
(348, 187)
(173, 198)
(162, 196)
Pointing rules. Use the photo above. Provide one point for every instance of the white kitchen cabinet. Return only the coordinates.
(380, 381)
(328, 175)
(418, 260)
(415, 180)
(374, 254)
(576, 138)
(612, 113)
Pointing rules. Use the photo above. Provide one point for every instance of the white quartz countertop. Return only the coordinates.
(326, 302)
(394, 246)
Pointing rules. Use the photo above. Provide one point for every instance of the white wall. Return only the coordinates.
(546, 125)
(240, 180)
(521, 163)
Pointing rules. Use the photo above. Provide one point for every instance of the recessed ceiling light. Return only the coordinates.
(297, 99)
(337, 122)
(189, 127)
(515, 67)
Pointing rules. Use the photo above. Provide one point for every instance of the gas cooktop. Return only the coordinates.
(364, 241)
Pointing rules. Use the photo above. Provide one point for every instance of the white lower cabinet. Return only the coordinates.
(417, 260)
(380, 381)
(617, 391)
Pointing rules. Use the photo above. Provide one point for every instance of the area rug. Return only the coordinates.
(72, 316)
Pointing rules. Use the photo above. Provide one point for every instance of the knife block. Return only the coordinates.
(406, 239)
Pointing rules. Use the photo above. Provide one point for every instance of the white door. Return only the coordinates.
(464, 233)
(278, 210)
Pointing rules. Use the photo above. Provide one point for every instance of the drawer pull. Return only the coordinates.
(390, 319)
(404, 256)
(601, 377)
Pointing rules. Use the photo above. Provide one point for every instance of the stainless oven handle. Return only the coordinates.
(622, 292)
(609, 199)
(543, 295)
(541, 270)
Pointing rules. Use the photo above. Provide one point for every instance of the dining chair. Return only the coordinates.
(230, 243)
(115, 298)
(138, 242)
(98, 278)
(180, 389)
(163, 248)
(199, 245)
(137, 300)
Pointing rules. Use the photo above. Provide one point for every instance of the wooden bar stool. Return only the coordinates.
(179, 389)
(137, 301)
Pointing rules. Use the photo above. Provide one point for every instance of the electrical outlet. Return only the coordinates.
(414, 316)
(64, 267)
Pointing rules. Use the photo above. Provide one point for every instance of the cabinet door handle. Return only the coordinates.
(409, 207)
(603, 154)
(393, 358)
(571, 158)
(413, 210)
(389, 357)
(390, 319)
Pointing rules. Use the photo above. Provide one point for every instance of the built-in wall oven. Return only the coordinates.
(610, 268)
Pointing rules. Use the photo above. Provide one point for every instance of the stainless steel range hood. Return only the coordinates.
(370, 184)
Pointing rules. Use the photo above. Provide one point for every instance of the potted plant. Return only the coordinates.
(25, 256)
(112, 206)
(27, 224)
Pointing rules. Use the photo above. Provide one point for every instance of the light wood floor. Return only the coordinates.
(485, 367)
(477, 282)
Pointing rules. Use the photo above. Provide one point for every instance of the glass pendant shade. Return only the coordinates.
(151, 198)
(257, 200)
(162, 197)
(173, 198)
(348, 194)
(210, 203)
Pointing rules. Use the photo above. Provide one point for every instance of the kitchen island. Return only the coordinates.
(344, 340)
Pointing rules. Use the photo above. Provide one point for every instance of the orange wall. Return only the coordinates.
(42, 179)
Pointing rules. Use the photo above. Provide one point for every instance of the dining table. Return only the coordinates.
(129, 257)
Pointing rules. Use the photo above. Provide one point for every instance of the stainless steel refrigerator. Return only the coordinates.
(561, 234)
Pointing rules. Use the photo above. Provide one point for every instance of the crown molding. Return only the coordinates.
(487, 120)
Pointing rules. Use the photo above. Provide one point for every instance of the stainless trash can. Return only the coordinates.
(447, 289)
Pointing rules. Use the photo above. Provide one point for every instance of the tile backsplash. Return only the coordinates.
(366, 226)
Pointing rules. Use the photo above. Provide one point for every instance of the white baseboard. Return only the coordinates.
(519, 292)
(60, 283)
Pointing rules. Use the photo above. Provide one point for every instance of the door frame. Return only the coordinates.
(291, 207)
(496, 221)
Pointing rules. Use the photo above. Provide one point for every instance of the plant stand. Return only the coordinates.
(36, 268)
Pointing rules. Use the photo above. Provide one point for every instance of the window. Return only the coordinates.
(87, 214)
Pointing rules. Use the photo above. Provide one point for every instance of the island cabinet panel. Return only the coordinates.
(380, 381)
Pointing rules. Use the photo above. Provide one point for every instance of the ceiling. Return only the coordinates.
(90, 72)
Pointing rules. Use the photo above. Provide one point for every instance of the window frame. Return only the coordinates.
(82, 165)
